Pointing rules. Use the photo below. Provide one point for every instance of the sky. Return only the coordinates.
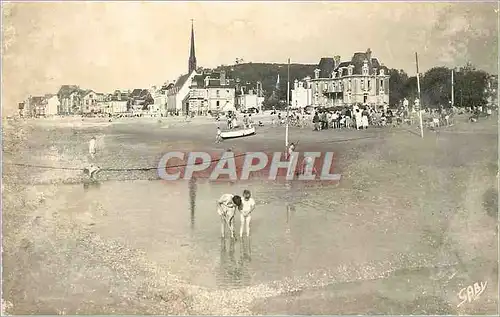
(125, 45)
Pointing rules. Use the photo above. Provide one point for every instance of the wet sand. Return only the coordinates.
(407, 214)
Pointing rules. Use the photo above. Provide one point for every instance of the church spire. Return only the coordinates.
(192, 56)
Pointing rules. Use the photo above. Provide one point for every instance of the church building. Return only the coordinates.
(178, 94)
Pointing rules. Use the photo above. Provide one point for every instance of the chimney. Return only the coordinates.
(223, 78)
(336, 60)
(369, 54)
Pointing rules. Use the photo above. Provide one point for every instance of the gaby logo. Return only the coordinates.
(471, 292)
(231, 166)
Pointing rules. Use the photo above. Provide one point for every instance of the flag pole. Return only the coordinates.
(419, 101)
(287, 103)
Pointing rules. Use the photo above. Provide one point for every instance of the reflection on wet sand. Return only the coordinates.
(91, 185)
(246, 250)
(289, 212)
(192, 199)
(232, 273)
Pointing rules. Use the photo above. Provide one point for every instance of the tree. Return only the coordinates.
(273, 103)
(411, 88)
(397, 84)
(436, 87)
(470, 87)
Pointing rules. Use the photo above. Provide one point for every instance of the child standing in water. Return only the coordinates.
(92, 147)
(218, 137)
(247, 206)
(92, 170)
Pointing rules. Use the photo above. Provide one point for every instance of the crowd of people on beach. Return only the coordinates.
(361, 117)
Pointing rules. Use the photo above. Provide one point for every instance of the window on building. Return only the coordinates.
(368, 84)
(217, 104)
(365, 70)
(349, 85)
(381, 84)
(326, 86)
(362, 84)
(217, 93)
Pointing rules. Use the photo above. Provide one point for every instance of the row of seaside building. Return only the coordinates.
(360, 80)
(197, 93)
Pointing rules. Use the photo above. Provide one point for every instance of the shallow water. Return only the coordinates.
(294, 232)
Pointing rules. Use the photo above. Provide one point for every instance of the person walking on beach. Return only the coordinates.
(92, 170)
(247, 206)
(218, 137)
(92, 147)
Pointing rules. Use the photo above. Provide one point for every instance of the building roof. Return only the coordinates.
(199, 80)
(215, 75)
(358, 60)
(138, 93)
(124, 95)
(181, 80)
(67, 90)
(84, 92)
(213, 81)
(37, 100)
(326, 66)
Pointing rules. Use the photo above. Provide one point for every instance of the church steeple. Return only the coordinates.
(192, 55)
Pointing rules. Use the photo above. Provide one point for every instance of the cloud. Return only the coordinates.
(108, 45)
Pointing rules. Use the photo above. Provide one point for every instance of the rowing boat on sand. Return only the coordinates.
(230, 134)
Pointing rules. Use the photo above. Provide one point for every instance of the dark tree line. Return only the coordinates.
(470, 87)
(469, 83)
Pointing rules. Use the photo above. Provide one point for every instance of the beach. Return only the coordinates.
(411, 223)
